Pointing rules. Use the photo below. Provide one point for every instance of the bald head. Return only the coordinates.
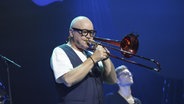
(82, 22)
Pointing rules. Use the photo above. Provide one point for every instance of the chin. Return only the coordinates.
(85, 47)
(131, 81)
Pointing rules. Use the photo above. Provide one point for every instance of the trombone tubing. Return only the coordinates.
(123, 51)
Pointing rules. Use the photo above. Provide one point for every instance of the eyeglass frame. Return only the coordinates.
(85, 32)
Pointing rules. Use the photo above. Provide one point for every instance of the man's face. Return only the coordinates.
(81, 34)
(125, 78)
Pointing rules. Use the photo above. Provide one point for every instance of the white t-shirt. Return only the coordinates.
(60, 63)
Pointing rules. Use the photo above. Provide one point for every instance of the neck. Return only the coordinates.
(125, 91)
(73, 46)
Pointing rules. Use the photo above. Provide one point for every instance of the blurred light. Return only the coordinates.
(45, 2)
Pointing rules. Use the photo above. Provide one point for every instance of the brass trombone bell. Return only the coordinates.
(128, 46)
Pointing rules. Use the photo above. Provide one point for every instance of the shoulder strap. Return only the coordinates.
(74, 58)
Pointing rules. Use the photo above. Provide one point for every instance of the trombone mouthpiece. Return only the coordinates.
(92, 44)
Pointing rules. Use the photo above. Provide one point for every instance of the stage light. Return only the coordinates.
(45, 2)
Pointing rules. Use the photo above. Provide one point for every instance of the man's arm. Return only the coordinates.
(109, 72)
(102, 54)
(77, 74)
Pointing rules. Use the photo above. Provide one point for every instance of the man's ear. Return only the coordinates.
(70, 34)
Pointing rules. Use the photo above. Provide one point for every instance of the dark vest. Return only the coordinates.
(88, 91)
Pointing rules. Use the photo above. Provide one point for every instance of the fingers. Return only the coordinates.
(108, 53)
(106, 50)
(103, 49)
(101, 53)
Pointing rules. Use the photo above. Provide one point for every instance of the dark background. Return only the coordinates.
(29, 32)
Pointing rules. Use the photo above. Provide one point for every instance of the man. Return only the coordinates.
(124, 95)
(79, 74)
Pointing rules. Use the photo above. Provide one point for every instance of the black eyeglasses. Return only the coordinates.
(85, 32)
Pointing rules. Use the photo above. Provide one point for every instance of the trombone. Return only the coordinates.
(128, 47)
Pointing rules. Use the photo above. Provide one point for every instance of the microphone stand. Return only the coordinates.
(8, 74)
(6, 59)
